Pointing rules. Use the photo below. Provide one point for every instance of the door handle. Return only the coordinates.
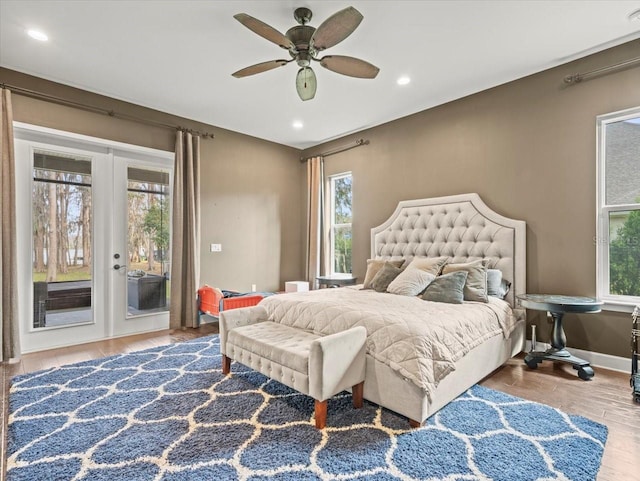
(117, 266)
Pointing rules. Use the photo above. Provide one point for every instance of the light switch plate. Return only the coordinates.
(216, 247)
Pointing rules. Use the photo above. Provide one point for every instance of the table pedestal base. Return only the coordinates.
(557, 352)
(536, 357)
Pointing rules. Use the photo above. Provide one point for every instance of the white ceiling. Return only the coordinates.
(178, 56)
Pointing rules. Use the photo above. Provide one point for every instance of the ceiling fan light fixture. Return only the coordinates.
(306, 83)
(304, 42)
(303, 59)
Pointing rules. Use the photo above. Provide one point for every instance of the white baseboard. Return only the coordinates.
(596, 359)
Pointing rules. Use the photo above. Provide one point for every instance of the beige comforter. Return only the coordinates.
(421, 340)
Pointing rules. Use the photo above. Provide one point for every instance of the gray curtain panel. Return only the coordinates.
(185, 247)
(8, 258)
(317, 235)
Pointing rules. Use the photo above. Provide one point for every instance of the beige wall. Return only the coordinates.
(251, 189)
(251, 202)
(528, 148)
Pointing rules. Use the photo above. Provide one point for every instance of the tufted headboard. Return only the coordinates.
(461, 227)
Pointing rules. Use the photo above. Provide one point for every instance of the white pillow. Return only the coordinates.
(410, 282)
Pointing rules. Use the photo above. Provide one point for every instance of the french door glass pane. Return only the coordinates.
(149, 207)
(62, 247)
(624, 253)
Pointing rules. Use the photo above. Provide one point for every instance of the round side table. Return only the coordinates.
(336, 280)
(557, 306)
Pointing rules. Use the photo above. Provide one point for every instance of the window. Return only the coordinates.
(340, 220)
(618, 236)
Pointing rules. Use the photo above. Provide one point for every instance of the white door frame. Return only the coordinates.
(107, 322)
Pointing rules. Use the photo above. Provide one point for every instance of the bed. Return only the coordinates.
(403, 373)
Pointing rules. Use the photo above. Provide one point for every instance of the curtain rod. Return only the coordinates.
(99, 110)
(337, 150)
(579, 77)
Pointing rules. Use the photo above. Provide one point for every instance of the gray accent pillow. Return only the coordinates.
(447, 288)
(496, 285)
(410, 282)
(476, 287)
(385, 275)
(373, 266)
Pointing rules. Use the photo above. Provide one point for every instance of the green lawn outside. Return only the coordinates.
(74, 274)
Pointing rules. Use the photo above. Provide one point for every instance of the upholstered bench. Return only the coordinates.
(318, 366)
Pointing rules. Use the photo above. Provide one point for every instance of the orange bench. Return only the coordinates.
(211, 301)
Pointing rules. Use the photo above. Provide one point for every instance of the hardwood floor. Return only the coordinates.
(605, 399)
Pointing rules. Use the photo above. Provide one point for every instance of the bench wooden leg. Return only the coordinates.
(226, 364)
(357, 392)
(414, 424)
(321, 414)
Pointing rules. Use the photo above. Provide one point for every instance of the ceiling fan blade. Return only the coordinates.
(264, 30)
(351, 66)
(336, 28)
(259, 68)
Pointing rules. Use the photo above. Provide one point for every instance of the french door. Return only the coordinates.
(93, 237)
(140, 270)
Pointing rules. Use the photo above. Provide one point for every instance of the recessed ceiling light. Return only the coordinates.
(297, 124)
(38, 35)
(403, 80)
(635, 15)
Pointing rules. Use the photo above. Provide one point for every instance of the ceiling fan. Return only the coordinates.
(305, 42)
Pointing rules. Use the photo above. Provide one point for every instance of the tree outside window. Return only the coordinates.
(149, 216)
(341, 218)
(624, 257)
(61, 212)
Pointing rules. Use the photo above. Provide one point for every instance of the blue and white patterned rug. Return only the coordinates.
(168, 413)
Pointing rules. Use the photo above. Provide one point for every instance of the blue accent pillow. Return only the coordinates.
(496, 285)
(447, 288)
